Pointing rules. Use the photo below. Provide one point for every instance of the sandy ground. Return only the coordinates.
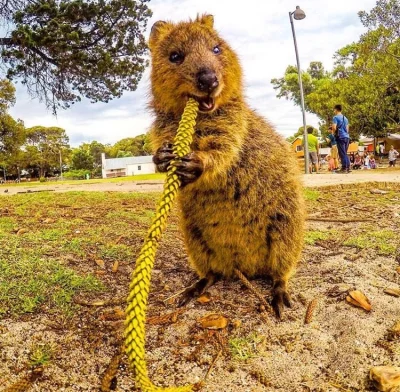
(331, 354)
(311, 180)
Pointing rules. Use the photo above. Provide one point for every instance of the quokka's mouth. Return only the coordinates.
(206, 104)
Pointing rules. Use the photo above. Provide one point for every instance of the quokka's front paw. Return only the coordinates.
(163, 157)
(189, 168)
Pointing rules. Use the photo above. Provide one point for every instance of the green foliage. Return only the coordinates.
(76, 174)
(130, 146)
(7, 95)
(64, 49)
(81, 159)
(42, 179)
(43, 146)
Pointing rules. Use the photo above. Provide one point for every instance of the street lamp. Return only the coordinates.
(299, 14)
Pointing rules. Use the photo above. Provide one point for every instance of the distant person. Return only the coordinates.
(382, 149)
(372, 162)
(313, 149)
(333, 145)
(357, 162)
(366, 162)
(341, 128)
(393, 154)
(331, 163)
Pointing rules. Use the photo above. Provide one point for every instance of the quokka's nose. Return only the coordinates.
(207, 80)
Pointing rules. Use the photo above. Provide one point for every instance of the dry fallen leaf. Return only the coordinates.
(378, 192)
(204, 298)
(115, 266)
(393, 292)
(385, 378)
(48, 220)
(357, 298)
(398, 270)
(22, 231)
(100, 263)
(213, 321)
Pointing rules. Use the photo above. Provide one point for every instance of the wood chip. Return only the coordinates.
(115, 266)
(213, 321)
(357, 298)
(395, 330)
(392, 292)
(204, 298)
(385, 378)
(100, 263)
(310, 311)
(48, 220)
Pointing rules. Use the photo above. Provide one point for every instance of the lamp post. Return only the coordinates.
(299, 14)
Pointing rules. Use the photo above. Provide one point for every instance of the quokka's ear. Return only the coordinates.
(206, 19)
(156, 31)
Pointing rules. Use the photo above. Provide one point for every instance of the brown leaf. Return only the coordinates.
(115, 314)
(22, 231)
(385, 378)
(48, 220)
(393, 292)
(213, 321)
(398, 270)
(100, 263)
(115, 266)
(357, 298)
(204, 298)
(378, 192)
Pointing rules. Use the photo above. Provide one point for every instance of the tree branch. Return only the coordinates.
(12, 42)
(43, 55)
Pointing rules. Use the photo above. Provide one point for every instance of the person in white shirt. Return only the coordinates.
(393, 154)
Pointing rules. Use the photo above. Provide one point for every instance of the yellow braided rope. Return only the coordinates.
(140, 285)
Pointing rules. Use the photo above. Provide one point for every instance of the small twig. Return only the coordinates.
(112, 301)
(212, 364)
(168, 300)
(253, 289)
(339, 220)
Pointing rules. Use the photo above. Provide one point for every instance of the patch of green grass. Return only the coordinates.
(41, 354)
(311, 194)
(311, 236)
(27, 283)
(140, 177)
(383, 241)
(243, 348)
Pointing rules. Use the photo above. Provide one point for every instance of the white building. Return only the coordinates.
(130, 166)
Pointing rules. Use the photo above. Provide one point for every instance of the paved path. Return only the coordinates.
(310, 180)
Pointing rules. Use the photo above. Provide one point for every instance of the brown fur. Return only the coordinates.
(246, 210)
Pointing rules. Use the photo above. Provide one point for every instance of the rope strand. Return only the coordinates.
(140, 284)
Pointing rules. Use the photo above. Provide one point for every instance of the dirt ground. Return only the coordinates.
(255, 353)
(313, 180)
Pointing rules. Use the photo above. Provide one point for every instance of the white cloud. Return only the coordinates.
(258, 30)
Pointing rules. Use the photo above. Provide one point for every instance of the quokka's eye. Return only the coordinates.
(176, 57)
(216, 50)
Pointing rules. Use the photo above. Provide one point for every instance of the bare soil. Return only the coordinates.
(255, 353)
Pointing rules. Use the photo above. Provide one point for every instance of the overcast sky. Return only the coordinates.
(259, 31)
